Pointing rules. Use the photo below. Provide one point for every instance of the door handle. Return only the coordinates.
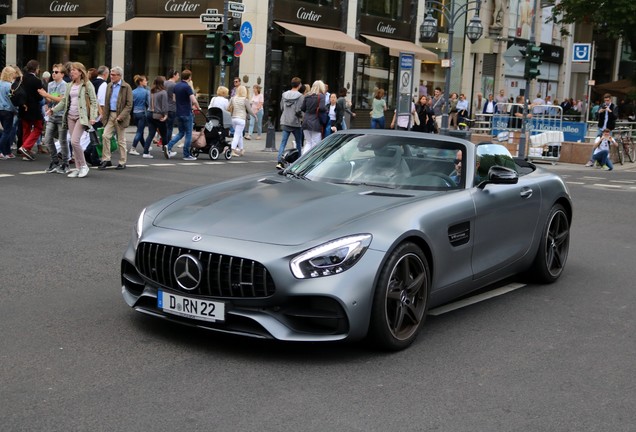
(526, 192)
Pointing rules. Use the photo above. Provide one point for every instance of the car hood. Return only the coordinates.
(277, 210)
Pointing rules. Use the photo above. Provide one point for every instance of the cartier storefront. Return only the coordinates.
(57, 31)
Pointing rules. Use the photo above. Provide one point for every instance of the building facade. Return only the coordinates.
(352, 44)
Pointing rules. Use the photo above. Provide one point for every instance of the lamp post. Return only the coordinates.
(428, 31)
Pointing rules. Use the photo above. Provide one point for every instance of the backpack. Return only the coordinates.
(18, 95)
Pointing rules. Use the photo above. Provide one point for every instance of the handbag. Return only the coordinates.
(323, 116)
(198, 139)
(416, 119)
(155, 116)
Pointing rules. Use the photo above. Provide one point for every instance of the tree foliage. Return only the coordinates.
(614, 18)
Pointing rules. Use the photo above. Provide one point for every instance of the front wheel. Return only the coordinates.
(228, 153)
(553, 249)
(401, 299)
(214, 153)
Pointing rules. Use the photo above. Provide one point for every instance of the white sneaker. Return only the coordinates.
(172, 154)
(147, 156)
(83, 171)
(73, 174)
(133, 152)
(189, 158)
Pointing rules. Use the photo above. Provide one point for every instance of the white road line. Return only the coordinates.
(623, 181)
(191, 164)
(576, 183)
(163, 164)
(136, 165)
(475, 299)
(7, 175)
(32, 172)
(214, 163)
(608, 186)
(592, 178)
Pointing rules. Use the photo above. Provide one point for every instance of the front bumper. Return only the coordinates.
(328, 308)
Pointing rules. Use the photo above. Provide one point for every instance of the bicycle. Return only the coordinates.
(626, 149)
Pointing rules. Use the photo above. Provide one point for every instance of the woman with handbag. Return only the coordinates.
(157, 115)
(79, 114)
(316, 115)
(240, 109)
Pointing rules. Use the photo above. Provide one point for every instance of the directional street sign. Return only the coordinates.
(215, 19)
(235, 7)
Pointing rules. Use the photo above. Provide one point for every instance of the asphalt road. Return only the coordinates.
(73, 356)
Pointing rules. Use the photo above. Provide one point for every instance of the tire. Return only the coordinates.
(228, 153)
(401, 299)
(619, 151)
(553, 249)
(214, 153)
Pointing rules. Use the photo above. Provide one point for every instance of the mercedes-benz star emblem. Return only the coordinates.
(196, 238)
(188, 271)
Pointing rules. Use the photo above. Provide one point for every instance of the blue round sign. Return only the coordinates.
(246, 32)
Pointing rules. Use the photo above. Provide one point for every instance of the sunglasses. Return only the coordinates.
(55, 72)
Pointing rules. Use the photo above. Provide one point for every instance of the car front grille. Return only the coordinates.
(221, 275)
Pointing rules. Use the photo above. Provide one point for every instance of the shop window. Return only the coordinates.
(383, 8)
(373, 72)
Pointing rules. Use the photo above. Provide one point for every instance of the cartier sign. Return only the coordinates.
(65, 8)
(175, 8)
(376, 26)
(308, 14)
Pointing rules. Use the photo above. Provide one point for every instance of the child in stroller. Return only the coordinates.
(210, 133)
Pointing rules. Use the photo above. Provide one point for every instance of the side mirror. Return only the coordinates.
(500, 175)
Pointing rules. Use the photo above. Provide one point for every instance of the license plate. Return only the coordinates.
(189, 307)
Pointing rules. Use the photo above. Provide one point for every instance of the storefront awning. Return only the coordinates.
(161, 24)
(47, 25)
(396, 46)
(327, 39)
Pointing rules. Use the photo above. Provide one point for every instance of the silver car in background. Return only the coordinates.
(358, 238)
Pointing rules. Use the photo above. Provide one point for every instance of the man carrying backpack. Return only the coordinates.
(31, 115)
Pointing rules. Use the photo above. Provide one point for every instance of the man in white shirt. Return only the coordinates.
(538, 101)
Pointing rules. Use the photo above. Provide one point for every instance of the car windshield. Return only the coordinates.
(395, 162)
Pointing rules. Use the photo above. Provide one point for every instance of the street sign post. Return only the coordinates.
(405, 93)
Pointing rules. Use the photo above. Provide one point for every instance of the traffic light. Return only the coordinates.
(212, 46)
(533, 60)
(227, 49)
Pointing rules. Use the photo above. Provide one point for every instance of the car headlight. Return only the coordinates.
(139, 226)
(330, 258)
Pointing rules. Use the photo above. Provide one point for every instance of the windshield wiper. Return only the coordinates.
(372, 185)
(293, 174)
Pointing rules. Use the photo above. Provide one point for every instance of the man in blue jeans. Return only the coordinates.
(290, 119)
(184, 101)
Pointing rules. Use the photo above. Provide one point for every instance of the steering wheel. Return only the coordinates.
(449, 181)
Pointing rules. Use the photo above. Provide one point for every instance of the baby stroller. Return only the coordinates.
(210, 133)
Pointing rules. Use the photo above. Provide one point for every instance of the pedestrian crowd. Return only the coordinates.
(63, 112)
(309, 114)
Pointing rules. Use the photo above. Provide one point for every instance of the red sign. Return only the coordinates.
(238, 49)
